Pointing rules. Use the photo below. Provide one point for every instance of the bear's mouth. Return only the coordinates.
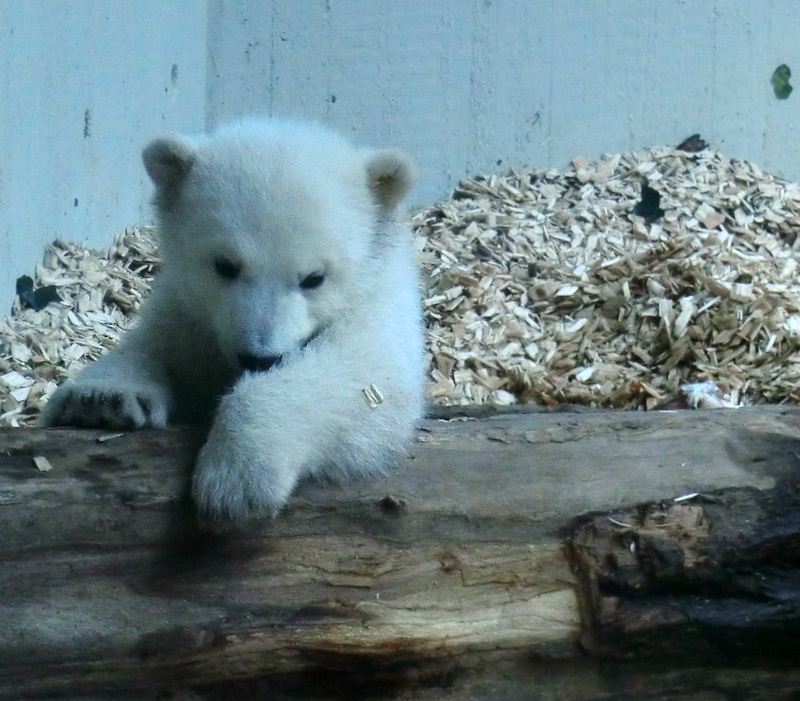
(314, 335)
(258, 363)
(265, 363)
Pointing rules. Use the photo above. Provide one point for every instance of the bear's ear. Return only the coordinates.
(168, 161)
(390, 176)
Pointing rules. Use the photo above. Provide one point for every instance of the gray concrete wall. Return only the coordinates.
(464, 84)
(83, 84)
(467, 86)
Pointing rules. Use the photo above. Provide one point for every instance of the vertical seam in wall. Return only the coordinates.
(450, 155)
(271, 88)
(383, 42)
(649, 111)
(210, 64)
(768, 117)
(480, 102)
(328, 28)
(714, 49)
(549, 138)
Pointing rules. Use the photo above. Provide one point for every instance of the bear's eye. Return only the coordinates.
(311, 282)
(227, 268)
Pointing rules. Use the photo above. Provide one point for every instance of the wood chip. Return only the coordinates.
(42, 464)
(108, 437)
(373, 396)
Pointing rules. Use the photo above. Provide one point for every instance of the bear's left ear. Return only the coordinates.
(390, 175)
(168, 161)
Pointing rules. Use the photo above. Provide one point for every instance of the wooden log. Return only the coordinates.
(500, 538)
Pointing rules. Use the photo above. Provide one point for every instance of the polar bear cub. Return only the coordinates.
(287, 296)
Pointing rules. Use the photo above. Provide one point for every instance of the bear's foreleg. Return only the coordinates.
(308, 416)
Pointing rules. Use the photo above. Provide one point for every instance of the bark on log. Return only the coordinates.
(500, 540)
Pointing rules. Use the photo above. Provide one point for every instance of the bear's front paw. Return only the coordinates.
(238, 475)
(107, 404)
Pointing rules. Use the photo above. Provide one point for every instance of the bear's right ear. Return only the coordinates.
(168, 161)
(390, 175)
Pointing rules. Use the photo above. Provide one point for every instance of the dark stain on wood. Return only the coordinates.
(392, 504)
(105, 461)
(716, 576)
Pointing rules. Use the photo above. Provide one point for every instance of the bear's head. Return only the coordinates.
(270, 230)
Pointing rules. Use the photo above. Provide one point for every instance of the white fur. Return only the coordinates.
(280, 200)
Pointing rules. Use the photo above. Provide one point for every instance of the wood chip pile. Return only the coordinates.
(100, 292)
(539, 286)
(545, 287)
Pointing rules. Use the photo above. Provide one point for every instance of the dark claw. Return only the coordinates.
(145, 404)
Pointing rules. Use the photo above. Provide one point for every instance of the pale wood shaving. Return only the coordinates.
(373, 395)
(42, 464)
(108, 437)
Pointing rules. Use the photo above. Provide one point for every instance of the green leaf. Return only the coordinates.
(780, 82)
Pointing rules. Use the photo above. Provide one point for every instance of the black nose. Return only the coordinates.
(257, 363)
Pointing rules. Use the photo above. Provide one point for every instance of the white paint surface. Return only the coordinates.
(465, 83)
(83, 84)
(467, 86)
